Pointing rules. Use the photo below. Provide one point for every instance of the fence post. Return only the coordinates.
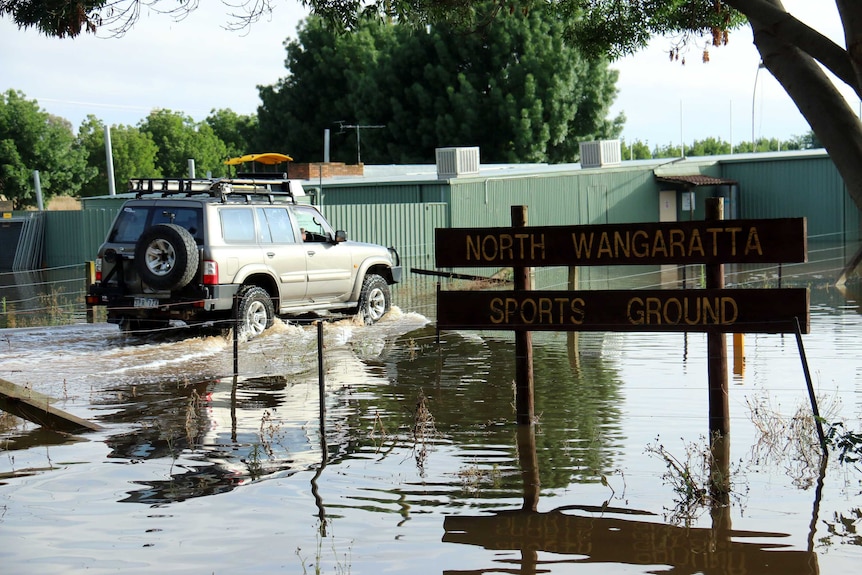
(89, 280)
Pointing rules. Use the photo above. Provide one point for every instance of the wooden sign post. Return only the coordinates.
(524, 395)
(716, 343)
(714, 310)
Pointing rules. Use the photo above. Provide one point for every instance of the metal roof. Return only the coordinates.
(694, 180)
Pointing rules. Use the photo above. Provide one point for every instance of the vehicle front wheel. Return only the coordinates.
(374, 299)
(256, 311)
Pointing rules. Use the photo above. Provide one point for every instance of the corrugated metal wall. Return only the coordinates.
(73, 237)
(405, 214)
(384, 193)
(10, 233)
(407, 227)
(795, 187)
(577, 197)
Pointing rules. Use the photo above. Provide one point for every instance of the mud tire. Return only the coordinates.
(166, 257)
(375, 299)
(256, 311)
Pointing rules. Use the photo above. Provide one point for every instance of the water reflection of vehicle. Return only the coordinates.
(226, 433)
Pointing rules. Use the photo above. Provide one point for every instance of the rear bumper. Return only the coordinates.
(195, 303)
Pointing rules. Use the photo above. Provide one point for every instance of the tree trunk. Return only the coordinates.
(820, 103)
(794, 53)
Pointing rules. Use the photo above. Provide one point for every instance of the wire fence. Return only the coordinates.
(56, 296)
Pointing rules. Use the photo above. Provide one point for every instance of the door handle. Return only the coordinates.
(270, 254)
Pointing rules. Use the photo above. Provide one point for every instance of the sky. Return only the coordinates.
(196, 65)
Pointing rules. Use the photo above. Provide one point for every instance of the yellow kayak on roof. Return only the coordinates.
(269, 158)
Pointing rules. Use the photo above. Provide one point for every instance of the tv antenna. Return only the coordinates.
(357, 127)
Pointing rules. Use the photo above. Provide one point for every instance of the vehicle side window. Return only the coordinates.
(130, 225)
(275, 226)
(237, 225)
(311, 222)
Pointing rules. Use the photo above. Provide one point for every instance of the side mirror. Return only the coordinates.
(340, 236)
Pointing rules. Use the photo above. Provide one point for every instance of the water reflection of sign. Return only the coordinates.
(715, 311)
(614, 540)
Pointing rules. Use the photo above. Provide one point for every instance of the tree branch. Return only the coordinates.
(770, 15)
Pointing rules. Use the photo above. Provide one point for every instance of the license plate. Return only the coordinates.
(146, 302)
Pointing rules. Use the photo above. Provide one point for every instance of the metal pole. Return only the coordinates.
(109, 159)
(811, 396)
(321, 379)
(236, 324)
(37, 183)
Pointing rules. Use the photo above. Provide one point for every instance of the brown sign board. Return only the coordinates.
(701, 310)
(780, 240)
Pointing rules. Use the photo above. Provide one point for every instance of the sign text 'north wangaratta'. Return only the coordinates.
(780, 240)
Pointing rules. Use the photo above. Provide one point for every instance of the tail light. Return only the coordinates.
(98, 269)
(210, 273)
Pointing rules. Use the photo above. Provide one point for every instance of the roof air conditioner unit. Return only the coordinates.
(454, 162)
(600, 153)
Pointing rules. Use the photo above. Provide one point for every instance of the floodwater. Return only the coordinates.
(418, 466)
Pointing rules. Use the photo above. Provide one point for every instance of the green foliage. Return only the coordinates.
(514, 89)
(31, 139)
(237, 131)
(178, 139)
(637, 150)
(133, 154)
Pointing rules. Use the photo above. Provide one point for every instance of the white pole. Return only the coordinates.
(38, 185)
(191, 168)
(326, 146)
(109, 159)
(731, 126)
(681, 140)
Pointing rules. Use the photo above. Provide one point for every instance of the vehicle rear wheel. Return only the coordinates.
(374, 299)
(256, 311)
(166, 257)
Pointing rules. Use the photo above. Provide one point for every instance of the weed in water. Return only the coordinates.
(341, 562)
(698, 480)
(423, 429)
(791, 442)
(847, 443)
(474, 477)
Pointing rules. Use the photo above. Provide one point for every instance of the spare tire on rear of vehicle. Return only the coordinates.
(166, 257)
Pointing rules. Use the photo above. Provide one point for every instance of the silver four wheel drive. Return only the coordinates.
(208, 251)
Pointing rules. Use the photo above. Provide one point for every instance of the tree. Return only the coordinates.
(237, 131)
(179, 139)
(31, 139)
(132, 151)
(325, 69)
(797, 55)
(708, 147)
(515, 90)
(636, 150)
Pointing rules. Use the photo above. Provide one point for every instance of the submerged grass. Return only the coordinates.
(701, 479)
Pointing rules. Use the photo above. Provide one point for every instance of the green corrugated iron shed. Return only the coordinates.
(765, 185)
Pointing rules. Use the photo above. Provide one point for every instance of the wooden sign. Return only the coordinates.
(780, 240)
(702, 310)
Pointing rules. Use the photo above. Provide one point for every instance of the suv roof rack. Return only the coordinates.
(220, 188)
